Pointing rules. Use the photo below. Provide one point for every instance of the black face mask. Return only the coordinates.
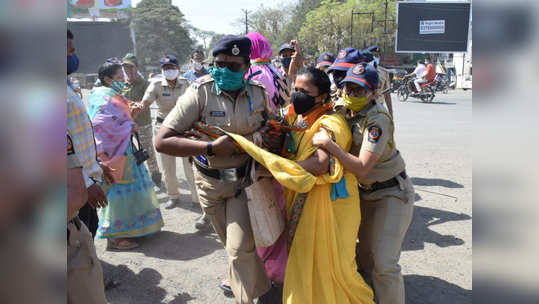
(302, 102)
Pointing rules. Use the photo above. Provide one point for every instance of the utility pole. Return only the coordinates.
(385, 20)
(246, 12)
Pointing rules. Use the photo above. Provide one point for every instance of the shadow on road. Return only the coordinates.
(419, 232)
(428, 290)
(420, 181)
(170, 245)
(140, 288)
(185, 203)
(434, 102)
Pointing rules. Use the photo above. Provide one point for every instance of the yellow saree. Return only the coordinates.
(321, 265)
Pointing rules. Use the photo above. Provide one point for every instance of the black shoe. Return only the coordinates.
(202, 222)
(156, 178)
(172, 203)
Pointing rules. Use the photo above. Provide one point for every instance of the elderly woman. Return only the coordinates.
(133, 209)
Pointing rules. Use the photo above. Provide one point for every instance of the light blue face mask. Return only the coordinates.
(117, 86)
(228, 80)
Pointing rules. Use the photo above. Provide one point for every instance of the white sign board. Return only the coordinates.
(431, 27)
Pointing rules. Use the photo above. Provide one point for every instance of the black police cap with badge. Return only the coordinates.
(233, 45)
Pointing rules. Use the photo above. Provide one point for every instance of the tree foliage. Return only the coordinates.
(160, 29)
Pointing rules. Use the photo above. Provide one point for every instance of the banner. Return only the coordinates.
(107, 4)
(83, 4)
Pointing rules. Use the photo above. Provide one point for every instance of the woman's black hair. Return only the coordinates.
(318, 78)
(107, 69)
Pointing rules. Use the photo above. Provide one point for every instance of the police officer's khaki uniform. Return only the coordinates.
(383, 84)
(223, 198)
(165, 97)
(84, 272)
(386, 208)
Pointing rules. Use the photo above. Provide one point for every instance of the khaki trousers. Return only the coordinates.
(189, 174)
(84, 272)
(226, 207)
(146, 139)
(171, 180)
(385, 217)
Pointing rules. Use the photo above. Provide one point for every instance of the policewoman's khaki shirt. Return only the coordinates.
(202, 102)
(383, 84)
(372, 130)
(164, 95)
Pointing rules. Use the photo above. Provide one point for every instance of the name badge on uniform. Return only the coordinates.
(217, 113)
(166, 94)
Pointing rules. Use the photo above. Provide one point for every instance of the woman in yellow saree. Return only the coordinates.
(323, 211)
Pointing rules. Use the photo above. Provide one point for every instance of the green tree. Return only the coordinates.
(160, 29)
(270, 22)
(328, 28)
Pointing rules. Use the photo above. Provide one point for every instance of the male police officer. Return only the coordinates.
(84, 272)
(386, 192)
(324, 61)
(346, 58)
(384, 82)
(165, 92)
(223, 99)
(134, 90)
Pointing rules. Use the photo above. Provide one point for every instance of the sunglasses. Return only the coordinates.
(233, 66)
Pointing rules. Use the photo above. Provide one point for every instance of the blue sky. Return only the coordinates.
(218, 15)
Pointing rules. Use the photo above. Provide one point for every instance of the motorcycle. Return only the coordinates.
(442, 84)
(408, 89)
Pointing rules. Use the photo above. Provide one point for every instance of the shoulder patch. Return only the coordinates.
(70, 148)
(202, 80)
(342, 54)
(374, 134)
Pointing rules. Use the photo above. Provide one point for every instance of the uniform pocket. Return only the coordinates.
(408, 188)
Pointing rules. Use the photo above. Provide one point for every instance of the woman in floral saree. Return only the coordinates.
(322, 200)
(133, 209)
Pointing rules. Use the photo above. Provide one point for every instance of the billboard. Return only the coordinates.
(432, 27)
(96, 41)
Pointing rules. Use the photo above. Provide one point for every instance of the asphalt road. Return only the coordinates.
(181, 265)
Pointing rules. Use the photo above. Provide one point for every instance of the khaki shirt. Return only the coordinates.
(383, 75)
(164, 95)
(372, 130)
(135, 92)
(201, 102)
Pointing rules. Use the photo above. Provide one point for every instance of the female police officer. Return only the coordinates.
(386, 193)
(226, 100)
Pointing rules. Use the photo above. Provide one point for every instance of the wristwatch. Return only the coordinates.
(209, 149)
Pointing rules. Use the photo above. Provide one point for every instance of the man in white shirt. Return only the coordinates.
(419, 70)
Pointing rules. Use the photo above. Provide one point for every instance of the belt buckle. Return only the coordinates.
(230, 174)
(365, 188)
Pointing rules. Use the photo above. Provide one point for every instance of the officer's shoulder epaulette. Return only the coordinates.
(155, 79)
(202, 81)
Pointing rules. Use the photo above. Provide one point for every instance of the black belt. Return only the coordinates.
(385, 184)
(216, 173)
(159, 120)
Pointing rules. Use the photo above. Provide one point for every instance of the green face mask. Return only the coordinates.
(117, 86)
(228, 80)
(355, 104)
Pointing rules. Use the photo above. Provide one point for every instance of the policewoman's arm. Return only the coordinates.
(376, 136)
(359, 166)
(172, 138)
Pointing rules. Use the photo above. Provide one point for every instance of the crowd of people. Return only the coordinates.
(321, 137)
